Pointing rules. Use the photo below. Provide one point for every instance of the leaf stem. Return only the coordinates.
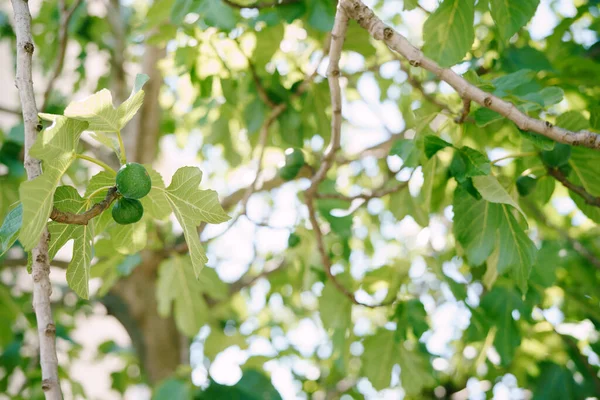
(107, 167)
(122, 156)
(515, 155)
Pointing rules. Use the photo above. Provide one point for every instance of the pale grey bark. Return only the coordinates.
(40, 268)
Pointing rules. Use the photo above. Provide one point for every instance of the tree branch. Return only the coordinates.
(579, 190)
(397, 42)
(63, 38)
(338, 35)
(10, 111)
(85, 217)
(381, 192)
(260, 6)
(40, 269)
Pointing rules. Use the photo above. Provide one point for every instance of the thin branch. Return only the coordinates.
(333, 73)
(465, 111)
(85, 217)
(515, 155)
(381, 192)
(260, 6)
(21, 262)
(63, 39)
(418, 85)
(10, 111)
(247, 281)
(40, 269)
(397, 42)
(579, 190)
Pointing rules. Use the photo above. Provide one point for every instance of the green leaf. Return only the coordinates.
(540, 141)
(586, 169)
(129, 239)
(335, 308)
(99, 112)
(407, 150)
(410, 4)
(173, 389)
(595, 118)
(253, 386)
(155, 203)
(382, 351)
(178, 286)
(9, 231)
(218, 341)
(484, 116)
(67, 199)
(415, 373)
(191, 207)
(290, 122)
(448, 32)
(558, 156)
(573, 121)
(510, 16)
(429, 175)
(499, 305)
(517, 252)
(56, 148)
(216, 13)
(475, 163)
(554, 383)
(475, 225)
(267, 44)
(411, 315)
(492, 191)
(402, 203)
(433, 144)
(321, 14)
(526, 185)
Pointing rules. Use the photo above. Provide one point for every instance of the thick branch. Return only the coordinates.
(397, 42)
(63, 38)
(40, 269)
(579, 190)
(85, 217)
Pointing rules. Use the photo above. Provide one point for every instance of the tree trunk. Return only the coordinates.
(156, 340)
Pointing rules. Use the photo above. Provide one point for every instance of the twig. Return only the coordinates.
(416, 84)
(381, 192)
(397, 42)
(515, 155)
(85, 217)
(63, 38)
(10, 111)
(260, 6)
(21, 262)
(337, 40)
(579, 190)
(465, 111)
(246, 281)
(40, 269)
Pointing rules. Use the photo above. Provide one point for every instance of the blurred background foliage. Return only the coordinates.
(263, 321)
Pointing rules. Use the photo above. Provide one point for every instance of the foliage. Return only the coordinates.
(462, 247)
